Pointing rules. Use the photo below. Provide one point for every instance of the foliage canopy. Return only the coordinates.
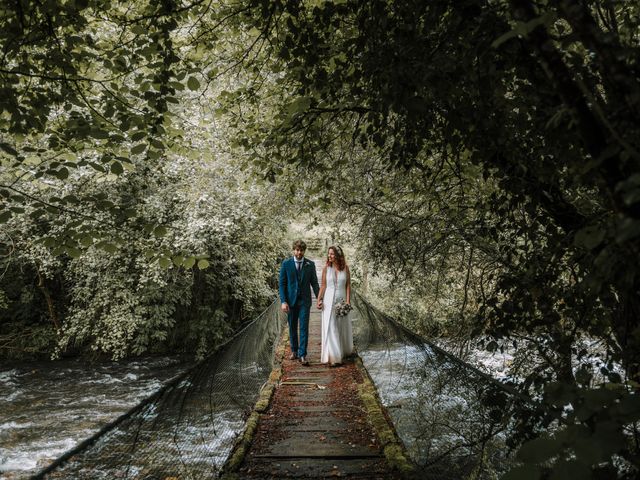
(487, 149)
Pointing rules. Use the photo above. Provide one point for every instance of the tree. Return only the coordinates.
(543, 99)
(112, 173)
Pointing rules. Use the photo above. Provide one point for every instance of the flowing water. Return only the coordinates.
(438, 412)
(46, 408)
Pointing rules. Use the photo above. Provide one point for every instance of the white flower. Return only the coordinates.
(342, 309)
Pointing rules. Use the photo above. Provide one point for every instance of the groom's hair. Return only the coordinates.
(300, 244)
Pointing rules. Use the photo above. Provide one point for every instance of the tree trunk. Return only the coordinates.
(47, 296)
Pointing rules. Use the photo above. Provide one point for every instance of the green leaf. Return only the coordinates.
(108, 247)
(202, 264)
(62, 174)
(73, 252)
(8, 148)
(154, 154)
(32, 160)
(138, 149)
(99, 133)
(86, 241)
(193, 83)
(189, 262)
(130, 212)
(116, 168)
(97, 166)
(136, 137)
(178, 260)
(589, 237)
(583, 376)
(50, 242)
(157, 144)
(299, 105)
(165, 262)
(5, 216)
(539, 450)
(160, 231)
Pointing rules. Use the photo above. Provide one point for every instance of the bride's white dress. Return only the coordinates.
(337, 333)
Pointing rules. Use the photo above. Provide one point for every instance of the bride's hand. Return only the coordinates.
(320, 305)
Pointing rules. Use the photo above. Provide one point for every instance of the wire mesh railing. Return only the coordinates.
(452, 417)
(187, 429)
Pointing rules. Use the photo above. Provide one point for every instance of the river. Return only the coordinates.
(46, 408)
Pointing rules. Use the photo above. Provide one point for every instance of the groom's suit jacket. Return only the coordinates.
(294, 285)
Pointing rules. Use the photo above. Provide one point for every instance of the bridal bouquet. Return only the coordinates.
(342, 309)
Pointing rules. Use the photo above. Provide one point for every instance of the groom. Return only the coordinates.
(297, 278)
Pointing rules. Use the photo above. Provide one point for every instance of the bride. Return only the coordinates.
(337, 334)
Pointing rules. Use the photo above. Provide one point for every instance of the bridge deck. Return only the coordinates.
(318, 423)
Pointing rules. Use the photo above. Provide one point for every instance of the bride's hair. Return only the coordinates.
(341, 263)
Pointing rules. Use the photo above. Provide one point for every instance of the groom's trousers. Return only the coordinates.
(299, 317)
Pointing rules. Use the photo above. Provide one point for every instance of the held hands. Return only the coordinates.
(285, 307)
(320, 305)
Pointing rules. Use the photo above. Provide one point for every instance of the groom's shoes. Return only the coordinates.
(304, 361)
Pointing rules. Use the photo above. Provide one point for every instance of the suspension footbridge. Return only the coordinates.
(402, 407)
(320, 422)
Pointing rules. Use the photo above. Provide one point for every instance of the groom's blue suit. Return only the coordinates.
(295, 290)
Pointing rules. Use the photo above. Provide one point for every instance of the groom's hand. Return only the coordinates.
(285, 307)
(320, 304)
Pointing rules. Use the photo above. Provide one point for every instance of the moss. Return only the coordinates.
(392, 446)
(275, 376)
(397, 459)
(265, 397)
(243, 445)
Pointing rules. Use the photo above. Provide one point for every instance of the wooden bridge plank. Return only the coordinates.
(307, 424)
(318, 468)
